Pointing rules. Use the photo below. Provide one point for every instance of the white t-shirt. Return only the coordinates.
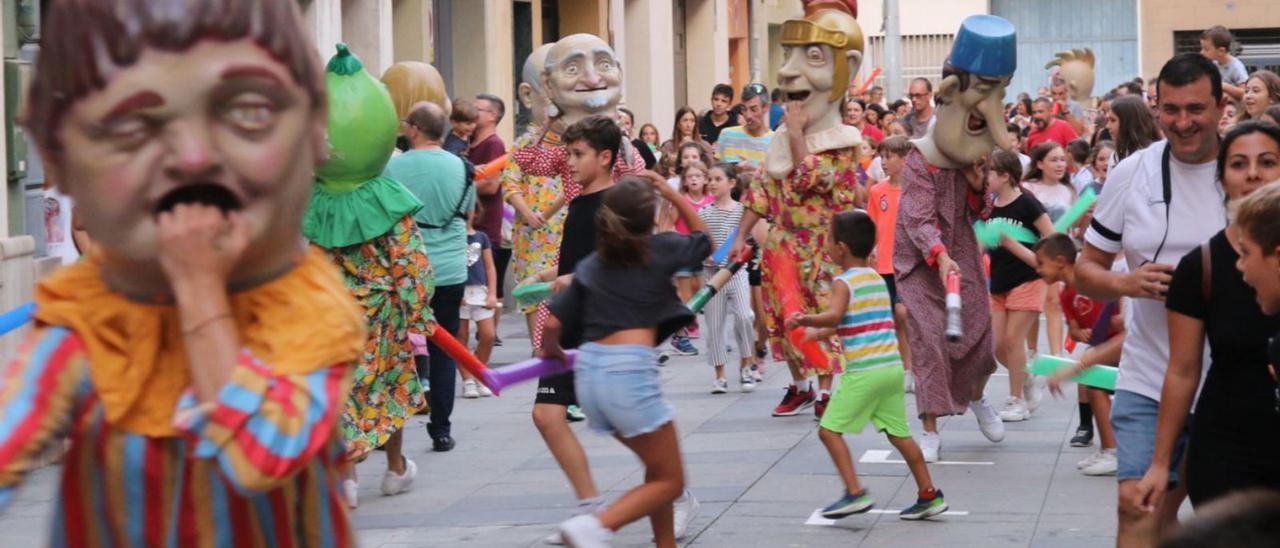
(1130, 218)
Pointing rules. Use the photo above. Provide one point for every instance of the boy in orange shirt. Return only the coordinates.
(882, 206)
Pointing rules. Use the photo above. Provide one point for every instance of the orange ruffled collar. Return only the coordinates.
(297, 323)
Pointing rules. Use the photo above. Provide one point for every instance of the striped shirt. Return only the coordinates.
(261, 466)
(736, 145)
(721, 222)
(866, 330)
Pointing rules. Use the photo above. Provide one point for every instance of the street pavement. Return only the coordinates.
(759, 479)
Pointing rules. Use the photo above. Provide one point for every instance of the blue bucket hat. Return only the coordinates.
(986, 45)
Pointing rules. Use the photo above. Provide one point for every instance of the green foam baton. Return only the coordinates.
(989, 232)
(530, 294)
(1098, 376)
(1077, 210)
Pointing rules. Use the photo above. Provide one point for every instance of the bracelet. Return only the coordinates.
(205, 323)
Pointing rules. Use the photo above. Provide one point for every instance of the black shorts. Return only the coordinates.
(557, 390)
(892, 284)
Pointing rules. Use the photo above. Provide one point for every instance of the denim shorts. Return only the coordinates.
(619, 390)
(1133, 416)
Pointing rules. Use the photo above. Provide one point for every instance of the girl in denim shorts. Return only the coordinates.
(619, 306)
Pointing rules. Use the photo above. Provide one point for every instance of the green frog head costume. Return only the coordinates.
(353, 202)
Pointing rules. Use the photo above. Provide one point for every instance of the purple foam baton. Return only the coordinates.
(516, 373)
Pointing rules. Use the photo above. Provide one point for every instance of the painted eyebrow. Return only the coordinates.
(250, 71)
(141, 100)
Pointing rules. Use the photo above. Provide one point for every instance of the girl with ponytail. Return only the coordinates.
(620, 303)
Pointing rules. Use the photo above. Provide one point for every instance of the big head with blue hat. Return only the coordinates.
(970, 118)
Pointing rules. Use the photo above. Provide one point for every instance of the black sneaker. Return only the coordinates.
(1083, 438)
(497, 341)
(443, 443)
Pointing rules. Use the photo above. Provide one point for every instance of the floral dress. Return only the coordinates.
(533, 249)
(391, 278)
(799, 208)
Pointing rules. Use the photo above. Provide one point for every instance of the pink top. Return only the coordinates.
(681, 226)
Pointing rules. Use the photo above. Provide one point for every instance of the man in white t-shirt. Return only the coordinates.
(1153, 228)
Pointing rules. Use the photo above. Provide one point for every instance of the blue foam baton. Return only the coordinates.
(17, 317)
(722, 253)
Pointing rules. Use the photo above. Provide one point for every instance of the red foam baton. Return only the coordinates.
(459, 352)
(866, 84)
(955, 327)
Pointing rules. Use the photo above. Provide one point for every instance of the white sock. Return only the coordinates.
(824, 393)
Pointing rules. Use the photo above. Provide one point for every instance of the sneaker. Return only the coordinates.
(574, 413)
(1014, 410)
(1083, 438)
(748, 380)
(909, 383)
(584, 508)
(1033, 392)
(1085, 462)
(820, 406)
(684, 509)
(1104, 465)
(585, 531)
(793, 402)
(350, 491)
(664, 357)
(497, 341)
(849, 505)
(757, 372)
(720, 386)
(988, 420)
(925, 508)
(930, 444)
(443, 443)
(681, 346)
(469, 390)
(394, 484)
(484, 390)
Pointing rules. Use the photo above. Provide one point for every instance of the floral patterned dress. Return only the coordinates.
(391, 278)
(799, 209)
(533, 249)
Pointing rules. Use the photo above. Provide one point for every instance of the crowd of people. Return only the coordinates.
(864, 222)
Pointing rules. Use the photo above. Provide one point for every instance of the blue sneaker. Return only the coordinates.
(925, 508)
(849, 505)
(682, 346)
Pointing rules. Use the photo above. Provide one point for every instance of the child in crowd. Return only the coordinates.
(1017, 293)
(883, 208)
(871, 387)
(693, 182)
(722, 218)
(619, 303)
(688, 152)
(1100, 325)
(1078, 153)
(479, 302)
(463, 118)
(1215, 44)
(1257, 231)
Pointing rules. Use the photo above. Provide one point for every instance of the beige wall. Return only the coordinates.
(1160, 18)
(4, 160)
(584, 16)
(483, 56)
(645, 46)
(412, 33)
(323, 18)
(921, 16)
(367, 30)
(707, 50)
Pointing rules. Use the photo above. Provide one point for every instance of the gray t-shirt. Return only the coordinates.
(603, 300)
(1233, 72)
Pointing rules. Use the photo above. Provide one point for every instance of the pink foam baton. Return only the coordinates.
(516, 373)
(954, 328)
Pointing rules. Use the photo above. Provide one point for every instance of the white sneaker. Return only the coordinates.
(930, 444)
(584, 508)
(1033, 392)
(757, 373)
(350, 490)
(1085, 462)
(394, 484)
(720, 386)
(484, 390)
(685, 509)
(1014, 410)
(909, 382)
(1105, 465)
(748, 380)
(988, 420)
(469, 390)
(585, 531)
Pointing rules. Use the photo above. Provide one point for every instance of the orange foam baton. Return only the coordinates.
(492, 168)
(785, 277)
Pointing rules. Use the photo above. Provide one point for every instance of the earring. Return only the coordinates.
(553, 111)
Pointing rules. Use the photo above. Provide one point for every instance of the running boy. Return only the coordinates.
(882, 206)
(722, 218)
(871, 388)
(1100, 325)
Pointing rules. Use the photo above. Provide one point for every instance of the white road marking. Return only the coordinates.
(881, 456)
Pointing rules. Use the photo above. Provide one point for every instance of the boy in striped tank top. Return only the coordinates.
(871, 388)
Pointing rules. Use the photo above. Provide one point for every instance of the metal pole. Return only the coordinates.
(892, 52)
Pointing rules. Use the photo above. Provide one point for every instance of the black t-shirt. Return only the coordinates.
(604, 299)
(710, 131)
(1007, 270)
(1238, 396)
(579, 235)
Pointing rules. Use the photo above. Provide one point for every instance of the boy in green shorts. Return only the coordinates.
(871, 388)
